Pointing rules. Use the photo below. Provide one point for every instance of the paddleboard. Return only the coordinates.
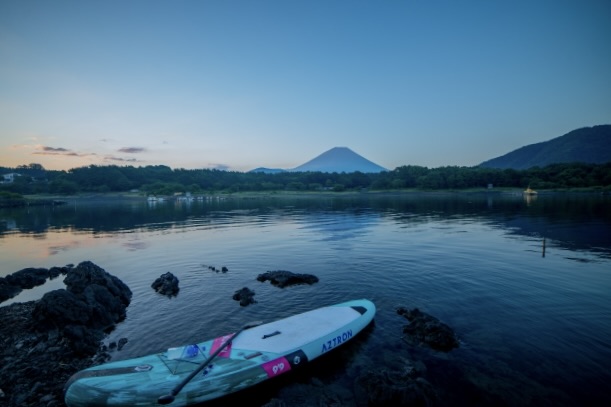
(253, 356)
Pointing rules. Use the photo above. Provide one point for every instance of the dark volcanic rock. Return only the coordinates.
(27, 278)
(166, 284)
(245, 296)
(93, 302)
(59, 308)
(8, 290)
(426, 329)
(87, 274)
(400, 385)
(313, 392)
(282, 278)
(43, 343)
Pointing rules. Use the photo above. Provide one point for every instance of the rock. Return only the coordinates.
(87, 274)
(224, 269)
(245, 296)
(56, 271)
(93, 302)
(401, 384)
(45, 342)
(122, 343)
(27, 278)
(166, 284)
(312, 393)
(428, 330)
(59, 308)
(7, 290)
(35, 364)
(282, 278)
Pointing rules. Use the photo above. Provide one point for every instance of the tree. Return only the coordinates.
(64, 187)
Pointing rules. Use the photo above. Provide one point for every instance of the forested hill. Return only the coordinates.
(161, 180)
(586, 145)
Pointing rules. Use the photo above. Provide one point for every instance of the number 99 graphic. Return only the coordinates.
(276, 367)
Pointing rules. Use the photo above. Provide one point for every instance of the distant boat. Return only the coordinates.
(529, 191)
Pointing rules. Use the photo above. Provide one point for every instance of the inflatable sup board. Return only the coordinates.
(204, 371)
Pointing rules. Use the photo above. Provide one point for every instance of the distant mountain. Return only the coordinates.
(339, 159)
(268, 170)
(587, 145)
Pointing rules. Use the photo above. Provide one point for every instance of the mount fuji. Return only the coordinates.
(337, 159)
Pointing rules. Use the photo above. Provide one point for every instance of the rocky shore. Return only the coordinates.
(43, 343)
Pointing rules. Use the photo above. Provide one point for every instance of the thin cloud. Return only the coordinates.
(132, 150)
(46, 150)
(120, 159)
(54, 149)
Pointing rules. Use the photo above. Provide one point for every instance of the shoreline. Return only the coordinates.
(137, 196)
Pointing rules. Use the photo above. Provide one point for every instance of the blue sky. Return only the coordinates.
(242, 84)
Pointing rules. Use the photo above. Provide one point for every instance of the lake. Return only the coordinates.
(525, 283)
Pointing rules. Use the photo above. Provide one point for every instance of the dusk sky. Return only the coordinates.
(243, 84)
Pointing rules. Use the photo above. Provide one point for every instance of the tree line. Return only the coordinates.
(163, 180)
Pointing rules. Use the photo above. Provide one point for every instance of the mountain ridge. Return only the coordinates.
(587, 144)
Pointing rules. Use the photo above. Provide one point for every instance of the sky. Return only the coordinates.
(237, 85)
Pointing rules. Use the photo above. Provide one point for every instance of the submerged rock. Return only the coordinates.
(426, 329)
(166, 284)
(282, 278)
(402, 384)
(245, 296)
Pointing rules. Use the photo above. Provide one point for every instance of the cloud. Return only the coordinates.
(132, 150)
(46, 150)
(120, 159)
(54, 149)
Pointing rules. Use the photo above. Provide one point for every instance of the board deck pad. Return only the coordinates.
(295, 331)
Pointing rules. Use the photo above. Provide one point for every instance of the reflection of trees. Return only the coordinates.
(575, 221)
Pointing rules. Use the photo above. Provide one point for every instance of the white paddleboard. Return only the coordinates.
(255, 355)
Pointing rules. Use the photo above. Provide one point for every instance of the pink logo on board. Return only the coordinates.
(276, 367)
(218, 342)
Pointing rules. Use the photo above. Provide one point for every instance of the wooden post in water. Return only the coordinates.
(543, 254)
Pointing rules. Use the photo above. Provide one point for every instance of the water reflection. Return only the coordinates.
(472, 260)
(579, 222)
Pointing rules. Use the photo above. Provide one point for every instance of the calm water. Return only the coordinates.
(534, 329)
